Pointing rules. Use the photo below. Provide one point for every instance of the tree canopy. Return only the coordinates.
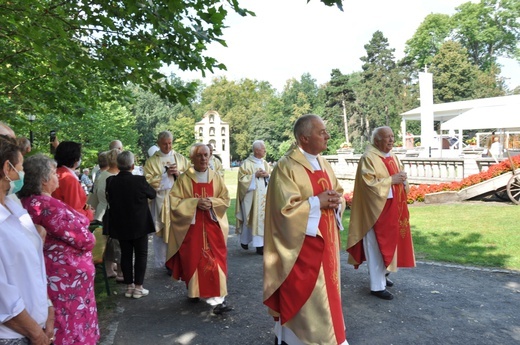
(91, 71)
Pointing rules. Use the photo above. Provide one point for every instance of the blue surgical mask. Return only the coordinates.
(16, 185)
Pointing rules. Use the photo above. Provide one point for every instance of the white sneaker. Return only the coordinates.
(140, 293)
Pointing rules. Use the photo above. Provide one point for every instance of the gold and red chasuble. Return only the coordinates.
(203, 250)
(392, 228)
(316, 252)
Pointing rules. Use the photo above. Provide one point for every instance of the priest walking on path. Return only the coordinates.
(379, 229)
(161, 171)
(197, 252)
(253, 177)
(305, 201)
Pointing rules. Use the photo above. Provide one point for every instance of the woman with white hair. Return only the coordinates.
(68, 254)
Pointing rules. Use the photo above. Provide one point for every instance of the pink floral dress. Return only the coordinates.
(70, 268)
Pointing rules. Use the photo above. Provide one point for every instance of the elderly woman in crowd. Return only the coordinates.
(68, 157)
(26, 316)
(67, 251)
(100, 203)
(131, 221)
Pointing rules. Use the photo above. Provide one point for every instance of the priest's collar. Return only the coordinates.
(257, 160)
(166, 154)
(313, 159)
(384, 154)
(202, 176)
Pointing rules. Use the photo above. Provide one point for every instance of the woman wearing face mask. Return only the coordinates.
(68, 157)
(26, 316)
(67, 251)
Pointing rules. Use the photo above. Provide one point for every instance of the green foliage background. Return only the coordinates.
(94, 88)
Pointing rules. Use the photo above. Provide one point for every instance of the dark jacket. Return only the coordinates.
(130, 216)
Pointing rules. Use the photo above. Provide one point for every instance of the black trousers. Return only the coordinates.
(134, 272)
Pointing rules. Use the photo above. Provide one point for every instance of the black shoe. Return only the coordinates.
(244, 246)
(260, 250)
(193, 299)
(222, 308)
(389, 283)
(383, 294)
(276, 341)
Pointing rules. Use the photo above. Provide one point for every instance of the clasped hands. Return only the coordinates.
(400, 177)
(204, 204)
(329, 199)
(261, 173)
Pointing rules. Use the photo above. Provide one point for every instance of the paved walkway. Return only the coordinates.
(433, 304)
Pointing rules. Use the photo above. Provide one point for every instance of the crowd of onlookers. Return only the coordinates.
(47, 211)
(291, 214)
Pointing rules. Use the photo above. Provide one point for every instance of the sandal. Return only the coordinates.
(140, 293)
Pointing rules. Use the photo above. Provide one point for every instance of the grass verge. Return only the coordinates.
(473, 234)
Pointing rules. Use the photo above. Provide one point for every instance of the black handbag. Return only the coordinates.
(105, 222)
(106, 218)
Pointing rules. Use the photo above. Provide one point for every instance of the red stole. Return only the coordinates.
(392, 228)
(203, 249)
(316, 252)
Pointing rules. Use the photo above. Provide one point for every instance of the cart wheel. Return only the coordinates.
(513, 189)
(502, 194)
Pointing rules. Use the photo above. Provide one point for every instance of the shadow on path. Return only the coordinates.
(433, 304)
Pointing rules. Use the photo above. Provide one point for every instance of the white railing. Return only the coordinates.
(419, 170)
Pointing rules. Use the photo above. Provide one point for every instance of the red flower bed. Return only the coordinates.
(348, 198)
(417, 193)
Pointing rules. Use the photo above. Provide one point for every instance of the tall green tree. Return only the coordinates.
(380, 90)
(488, 29)
(299, 97)
(340, 94)
(453, 74)
(56, 54)
(427, 40)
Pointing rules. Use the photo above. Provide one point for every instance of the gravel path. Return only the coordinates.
(433, 304)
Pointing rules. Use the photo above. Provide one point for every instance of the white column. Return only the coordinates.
(426, 98)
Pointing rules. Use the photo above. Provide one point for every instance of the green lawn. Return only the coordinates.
(230, 177)
(474, 234)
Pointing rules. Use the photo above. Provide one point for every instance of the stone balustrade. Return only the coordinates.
(419, 170)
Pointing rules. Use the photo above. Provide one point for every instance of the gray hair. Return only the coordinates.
(194, 147)
(303, 126)
(257, 143)
(165, 134)
(38, 169)
(376, 134)
(125, 160)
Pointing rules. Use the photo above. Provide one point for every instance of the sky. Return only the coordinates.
(288, 38)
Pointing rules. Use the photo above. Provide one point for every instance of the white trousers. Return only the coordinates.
(376, 265)
(247, 236)
(160, 249)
